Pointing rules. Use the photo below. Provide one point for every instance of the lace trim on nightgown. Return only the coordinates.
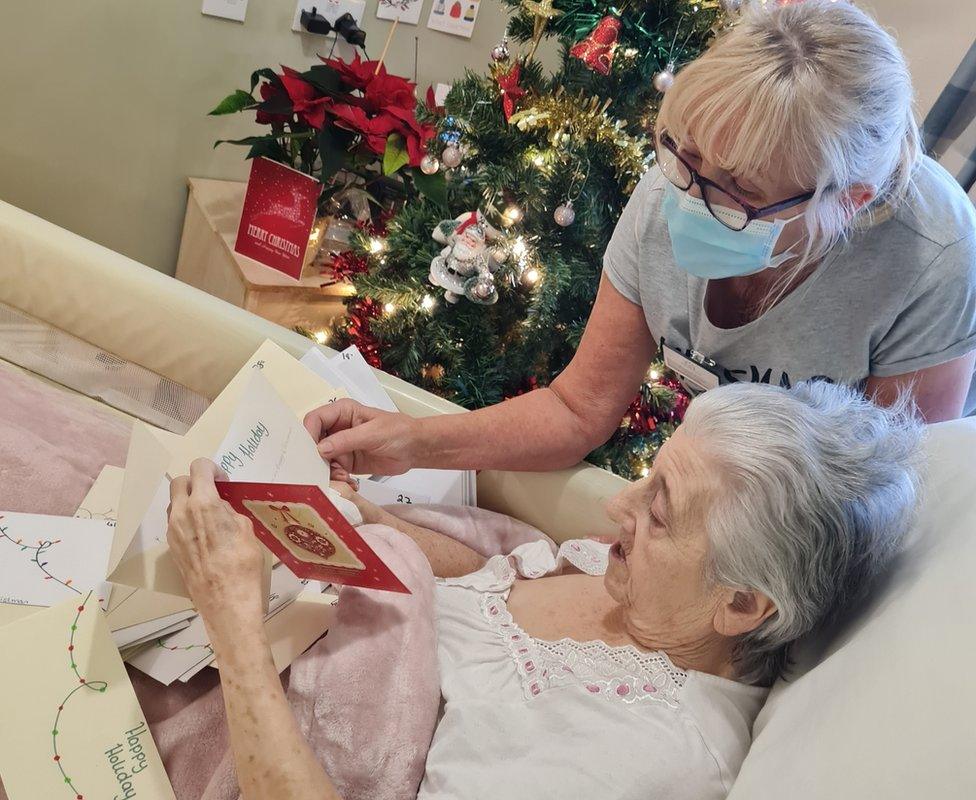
(620, 674)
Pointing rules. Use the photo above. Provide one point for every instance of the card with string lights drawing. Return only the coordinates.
(46, 559)
(309, 535)
(79, 730)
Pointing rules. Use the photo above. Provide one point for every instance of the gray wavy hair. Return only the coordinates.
(820, 487)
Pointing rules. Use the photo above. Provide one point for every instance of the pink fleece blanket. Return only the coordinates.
(366, 696)
(53, 444)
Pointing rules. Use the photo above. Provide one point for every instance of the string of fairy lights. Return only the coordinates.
(83, 684)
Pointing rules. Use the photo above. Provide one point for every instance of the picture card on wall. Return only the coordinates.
(79, 730)
(45, 560)
(228, 9)
(407, 11)
(308, 533)
(279, 210)
(454, 16)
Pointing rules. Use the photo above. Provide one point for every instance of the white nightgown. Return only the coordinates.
(525, 718)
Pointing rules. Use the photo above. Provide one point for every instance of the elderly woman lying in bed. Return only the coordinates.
(768, 512)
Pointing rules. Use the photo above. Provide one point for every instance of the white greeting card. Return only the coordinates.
(102, 500)
(72, 724)
(129, 638)
(185, 653)
(46, 560)
(407, 11)
(454, 16)
(350, 371)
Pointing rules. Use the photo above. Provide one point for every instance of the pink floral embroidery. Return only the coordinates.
(617, 673)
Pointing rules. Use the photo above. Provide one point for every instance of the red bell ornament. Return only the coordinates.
(597, 49)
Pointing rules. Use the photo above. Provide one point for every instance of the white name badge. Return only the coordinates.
(695, 373)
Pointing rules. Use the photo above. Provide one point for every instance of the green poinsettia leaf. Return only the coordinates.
(266, 73)
(233, 103)
(395, 155)
(433, 187)
(323, 78)
(247, 140)
(333, 150)
(269, 147)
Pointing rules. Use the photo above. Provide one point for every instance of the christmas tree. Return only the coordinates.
(535, 170)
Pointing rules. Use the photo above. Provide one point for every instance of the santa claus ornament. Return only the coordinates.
(467, 265)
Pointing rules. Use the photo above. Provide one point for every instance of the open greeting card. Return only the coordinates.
(305, 530)
(72, 725)
(253, 430)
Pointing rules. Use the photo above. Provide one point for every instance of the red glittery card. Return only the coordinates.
(279, 211)
(306, 531)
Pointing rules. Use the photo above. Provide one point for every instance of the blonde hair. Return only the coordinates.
(815, 90)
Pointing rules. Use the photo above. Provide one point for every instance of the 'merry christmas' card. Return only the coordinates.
(279, 211)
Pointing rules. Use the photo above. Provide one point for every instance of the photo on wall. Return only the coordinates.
(407, 11)
(454, 16)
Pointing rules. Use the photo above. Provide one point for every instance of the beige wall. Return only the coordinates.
(104, 102)
(934, 35)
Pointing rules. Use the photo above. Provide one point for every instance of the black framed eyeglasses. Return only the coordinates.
(733, 212)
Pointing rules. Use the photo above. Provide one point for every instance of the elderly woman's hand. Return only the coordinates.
(215, 550)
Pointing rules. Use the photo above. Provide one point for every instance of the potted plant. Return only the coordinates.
(351, 125)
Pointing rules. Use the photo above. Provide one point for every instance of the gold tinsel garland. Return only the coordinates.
(565, 117)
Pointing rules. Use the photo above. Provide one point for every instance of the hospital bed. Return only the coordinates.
(883, 705)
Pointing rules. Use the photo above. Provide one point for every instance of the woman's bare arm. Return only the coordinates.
(221, 563)
(448, 558)
(546, 429)
(273, 759)
(939, 392)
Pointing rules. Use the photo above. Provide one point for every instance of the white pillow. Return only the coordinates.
(885, 705)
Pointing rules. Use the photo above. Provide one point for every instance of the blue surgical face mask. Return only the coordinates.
(704, 247)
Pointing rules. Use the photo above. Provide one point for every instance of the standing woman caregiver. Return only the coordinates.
(790, 229)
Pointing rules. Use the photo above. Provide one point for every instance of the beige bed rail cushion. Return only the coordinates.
(65, 359)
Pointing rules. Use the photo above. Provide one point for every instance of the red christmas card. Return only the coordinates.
(279, 211)
(306, 531)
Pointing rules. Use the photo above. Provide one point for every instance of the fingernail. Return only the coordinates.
(325, 446)
(354, 482)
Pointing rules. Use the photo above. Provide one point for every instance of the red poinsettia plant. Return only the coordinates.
(352, 118)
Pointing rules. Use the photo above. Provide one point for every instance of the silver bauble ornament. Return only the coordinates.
(451, 156)
(564, 214)
(429, 164)
(500, 52)
(482, 290)
(663, 79)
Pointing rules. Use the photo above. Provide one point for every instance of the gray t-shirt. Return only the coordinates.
(897, 297)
